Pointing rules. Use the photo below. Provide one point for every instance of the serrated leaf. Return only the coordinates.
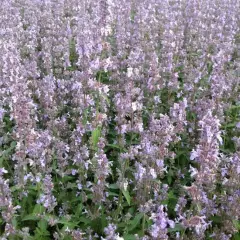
(95, 136)
(135, 221)
(85, 220)
(79, 210)
(42, 224)
(171, 195)
(127, 196)
(38, 209)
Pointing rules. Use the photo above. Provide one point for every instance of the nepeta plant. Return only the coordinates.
(119, 119)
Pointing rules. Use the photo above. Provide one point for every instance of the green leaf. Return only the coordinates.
(13, 144)
(1, 162)
(67, 178)
(127, 196)
(42, 224)
(67, 238)
(234, 107)
(14, 222)
(38, 209)
(98, 224)
(31, 217)
(113, 146)
(171, 195)
(134, 223)
(78, 210)
(236, 236)
(85, 220)
(95, 136)
(216, 219)
(113, 194)
(68, 224)
(178, 227)
(169, 176)
(15, 188)
(129, 237)
(113, 186)
(236, 224)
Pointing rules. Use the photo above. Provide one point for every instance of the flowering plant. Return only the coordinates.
(119, 119)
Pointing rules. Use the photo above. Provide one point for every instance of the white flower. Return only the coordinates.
(125, 185)
(67, 230)
(193, 171)
(238, 169)
(129, 72)
(3, 170)
(136, 106)
(140, 127)
(194, 154)
(106, 89)
(119, 238)
(153, 173)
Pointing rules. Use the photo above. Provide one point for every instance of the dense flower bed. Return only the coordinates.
(119, 119)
